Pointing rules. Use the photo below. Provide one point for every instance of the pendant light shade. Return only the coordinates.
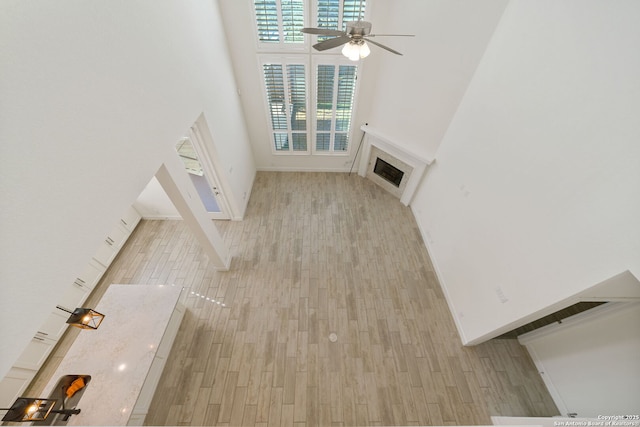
(83, 318)
(26, 409)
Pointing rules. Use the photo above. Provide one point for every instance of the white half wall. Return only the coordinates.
(534, 195)
(94, 97)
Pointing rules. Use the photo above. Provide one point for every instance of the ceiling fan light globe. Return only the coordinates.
(352, 50)
(348, 50)
(364, 50)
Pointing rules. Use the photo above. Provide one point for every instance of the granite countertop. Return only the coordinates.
(119, 353)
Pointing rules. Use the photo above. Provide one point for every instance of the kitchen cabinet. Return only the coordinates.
(36, 352)
(13, 384)
(91, 274)
(130, 219)
(112, 243)
(74, 296)
(110, 246)
(54, 326)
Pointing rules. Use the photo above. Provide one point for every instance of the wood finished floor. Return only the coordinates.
(319, 253)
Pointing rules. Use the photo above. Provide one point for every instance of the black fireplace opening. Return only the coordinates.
(388, 172)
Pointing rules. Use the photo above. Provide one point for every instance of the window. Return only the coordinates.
(331, 15)
(309, 95)
(335, 86)
(287, 104)
(279, 21)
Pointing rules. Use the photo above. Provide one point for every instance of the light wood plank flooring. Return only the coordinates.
(319, 253)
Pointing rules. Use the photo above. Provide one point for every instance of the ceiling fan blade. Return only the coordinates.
(384, 47)
(322, 31)
(328, 44)
(391, 35)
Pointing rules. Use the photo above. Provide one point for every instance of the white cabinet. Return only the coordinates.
(36, 352)
(54, 326)
(110, 246)
(112, 243)
(90, 275)
(13, 384)
(43, 342)
(130, 219)
(74, 296)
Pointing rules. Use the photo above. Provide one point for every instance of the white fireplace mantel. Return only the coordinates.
(373, 138)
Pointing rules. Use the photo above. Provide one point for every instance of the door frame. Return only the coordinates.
(199, 141)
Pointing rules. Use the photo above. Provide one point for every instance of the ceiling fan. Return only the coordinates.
(355, 38)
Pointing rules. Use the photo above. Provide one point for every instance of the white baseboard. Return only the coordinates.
(441, 280)
(162, 217)
(298, 169)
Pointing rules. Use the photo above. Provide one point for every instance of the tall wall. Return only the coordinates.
(94, 97)
(533, 197)
(417, 94)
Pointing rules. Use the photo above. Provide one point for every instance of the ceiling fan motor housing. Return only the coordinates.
(358, 28)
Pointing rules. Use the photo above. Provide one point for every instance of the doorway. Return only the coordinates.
(204, 181)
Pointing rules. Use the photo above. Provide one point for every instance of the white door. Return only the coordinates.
(205, 182)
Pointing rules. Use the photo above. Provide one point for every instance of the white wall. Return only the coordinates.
(533, 197)
(94, 97)
(590, 362)
(417, 94)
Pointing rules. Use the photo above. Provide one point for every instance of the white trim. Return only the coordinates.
(553, 391)
(210, 178)
(300, 169)
(162, 217)
(211, 161)
(441, 281)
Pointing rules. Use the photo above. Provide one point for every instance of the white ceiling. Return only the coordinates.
(410, 98)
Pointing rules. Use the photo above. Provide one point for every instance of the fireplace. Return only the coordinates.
(390, 166)
(388, 172)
